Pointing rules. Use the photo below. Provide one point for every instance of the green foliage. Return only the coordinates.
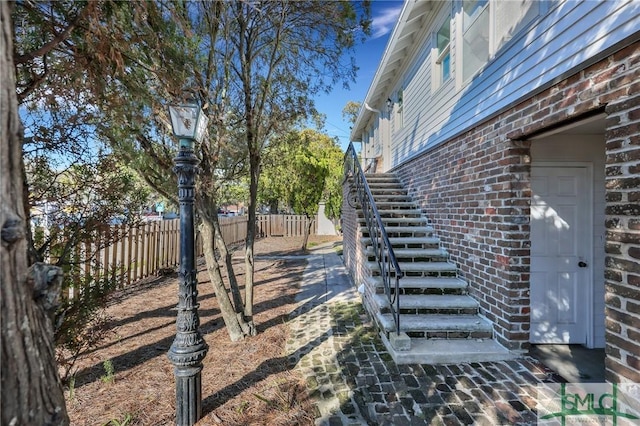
(233, 192)
(303, 169)
(350, 111)
(94, 80)
(72, 387)
(108, 377)
(126, 420)
(71, 211)
(81, 323)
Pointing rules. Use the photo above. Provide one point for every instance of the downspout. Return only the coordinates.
(367, 107)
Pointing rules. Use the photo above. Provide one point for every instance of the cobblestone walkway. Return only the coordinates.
(354, 381)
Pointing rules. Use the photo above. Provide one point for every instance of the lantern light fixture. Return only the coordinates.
(188, 122)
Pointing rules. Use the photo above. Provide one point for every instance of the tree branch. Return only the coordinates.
(55, 41)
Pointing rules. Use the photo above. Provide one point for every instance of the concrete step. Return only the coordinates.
(430, 304)
(439, 351)
(408, 242)
(414, 255)
(400, 221)
(384, 183)
(423, 285)
(409, 212)
(392, 197)
(387, 190)
(395, 205)
(381, 193)
(380, 176)
(428, 269)
(440, 326)
(405, 231)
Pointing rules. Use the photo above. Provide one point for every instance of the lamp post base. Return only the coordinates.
(188, 395)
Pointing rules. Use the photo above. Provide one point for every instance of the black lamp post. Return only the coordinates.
(189, 348)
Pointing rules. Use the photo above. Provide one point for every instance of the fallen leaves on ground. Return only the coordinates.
(128, 378)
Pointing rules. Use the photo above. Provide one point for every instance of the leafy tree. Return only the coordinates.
(31, 388)
(254, 66)
(304, 169)
(76, 186)
(287, 52)
(78, 204)
(350, 111)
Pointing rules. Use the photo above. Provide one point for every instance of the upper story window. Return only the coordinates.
(475, 36)
(442, 69)
(486, 25)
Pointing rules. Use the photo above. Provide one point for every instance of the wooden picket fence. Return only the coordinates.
(283, 225)
(125, 255)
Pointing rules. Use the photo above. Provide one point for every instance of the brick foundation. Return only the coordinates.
(475, 190)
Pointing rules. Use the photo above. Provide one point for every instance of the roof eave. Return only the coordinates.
(400, 42)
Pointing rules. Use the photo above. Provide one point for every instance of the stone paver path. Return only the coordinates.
(354, 381)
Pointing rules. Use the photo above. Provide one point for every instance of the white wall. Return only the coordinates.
(325, 226)
(566, 36)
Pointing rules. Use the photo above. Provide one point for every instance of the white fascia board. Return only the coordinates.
(365, 113)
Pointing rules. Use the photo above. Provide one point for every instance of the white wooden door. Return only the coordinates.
(560, 238)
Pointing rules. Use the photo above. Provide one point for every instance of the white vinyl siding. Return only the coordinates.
(569, 34)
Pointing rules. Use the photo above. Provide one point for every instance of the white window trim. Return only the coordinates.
(543, 7)
(437, 81)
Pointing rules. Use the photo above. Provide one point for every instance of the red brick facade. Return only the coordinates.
(475, 190)
(353, 251)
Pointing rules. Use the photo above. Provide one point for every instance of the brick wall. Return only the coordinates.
(475, 190)
(622, 262)
(349, 229)
(475, 193)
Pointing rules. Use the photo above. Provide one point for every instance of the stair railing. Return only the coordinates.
(389, 268)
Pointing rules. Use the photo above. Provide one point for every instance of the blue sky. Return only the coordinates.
(384, 15)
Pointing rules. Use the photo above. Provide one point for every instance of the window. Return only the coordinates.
(443, 52)
(487, 25)
(511, 16)
(475, 36)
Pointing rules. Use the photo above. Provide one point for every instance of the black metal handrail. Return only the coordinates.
(386, 258)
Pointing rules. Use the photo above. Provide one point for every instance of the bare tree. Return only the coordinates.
(31, 390)
(285, 53)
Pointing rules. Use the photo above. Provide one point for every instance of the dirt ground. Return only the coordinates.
(243, 383)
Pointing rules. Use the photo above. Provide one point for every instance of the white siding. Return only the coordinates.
(567, 35)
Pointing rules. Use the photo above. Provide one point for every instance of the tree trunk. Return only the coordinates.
(273, 207)
(31, 390)
(233, 320)
(254, 172)
(221, 245)
(307, 232)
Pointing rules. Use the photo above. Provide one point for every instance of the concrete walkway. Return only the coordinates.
(354, 381)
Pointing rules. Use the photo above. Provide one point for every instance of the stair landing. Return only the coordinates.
(448, 351)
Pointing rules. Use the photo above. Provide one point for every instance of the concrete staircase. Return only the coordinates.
(439, 321)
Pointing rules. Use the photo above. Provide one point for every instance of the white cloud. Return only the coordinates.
(384, 19)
